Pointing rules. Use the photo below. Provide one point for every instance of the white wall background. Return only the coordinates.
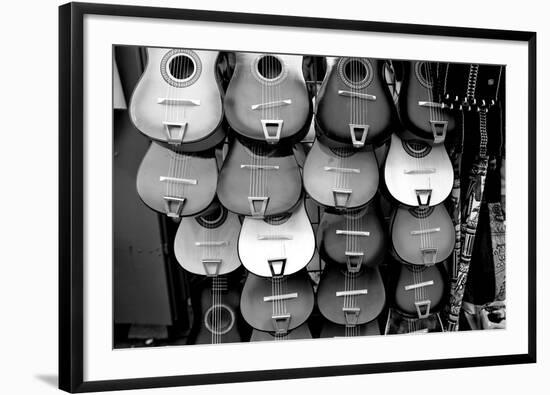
(28, 201)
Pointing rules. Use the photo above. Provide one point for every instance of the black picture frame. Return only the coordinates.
(71, 145)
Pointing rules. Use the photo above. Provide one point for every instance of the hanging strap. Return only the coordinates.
(474, 195)
(498, 230)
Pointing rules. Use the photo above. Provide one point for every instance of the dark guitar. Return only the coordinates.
(331, 329)
(417, 173)
(302, 332)
(421, 106)
(354, 239)
(178, 99)
(354, 106)
(277, 304)
(258, 181)
(348, 298)
(207, 244)
(267, 98)
(420, 290)
(341, 178)
(422, 236)
(177, 184)
(399, 324)
(219, 312)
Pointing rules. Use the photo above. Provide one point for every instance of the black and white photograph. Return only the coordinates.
(261, 197)
(275, 196)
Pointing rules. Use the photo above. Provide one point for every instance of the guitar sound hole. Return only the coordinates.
(214, 219)
(424, 74)
(277, 219)
(219, 319)
(419, 212)
(355, 71)
(416, 148)
(342, 152)
(270, 67)
(181, 67)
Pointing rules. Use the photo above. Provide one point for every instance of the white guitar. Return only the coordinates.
(277, 246)
(417, 173)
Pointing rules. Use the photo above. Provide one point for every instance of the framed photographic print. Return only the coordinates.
(266, 186)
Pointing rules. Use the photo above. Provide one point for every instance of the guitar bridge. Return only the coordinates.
(423, 197)
(277, 266)
(281, 323)
(358, 134)
(429, 256)
(354, 261)
(423, 308)
(173, 206)
(258, 205)
(211, 267)
(439, 130)
(351, 315)
(174, 132)
(272, 138)
(341, 197)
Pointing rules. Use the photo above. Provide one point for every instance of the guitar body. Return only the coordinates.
(422, 236)
(207, 244)
(178, 99)
(331, 329)
(177, 184)
(418, 87)
(259, 182)
(364, 306)
(354, 239)
(354, 92)
(340, 178)
(419, 290)
(302, 332)
(417, 173)
(259, 313)
(267, 99)
(278, 245)
(219, 312)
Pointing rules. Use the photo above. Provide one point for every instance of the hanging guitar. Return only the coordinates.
(331, 329)
(277, 304)
(219, 313)
(420, 290)
(421, 101)
(351, 298)
(417, 173)
(353, 240)
(177, 184)
(278, 245)
(400, 324)
(422, 235)
(301, 332)
(267, 98)
(340, 178)
(258, 180)
(178, 99)
(354, 105)
(207, 244)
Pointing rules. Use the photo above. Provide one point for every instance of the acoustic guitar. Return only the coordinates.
(331, 329)
(277, 304)
(421, 106)
(259, 181)
(301, 332)
(354, 239)
(420, 290)
(354, 105)
(178, 99)
(207, 244)
(177, 184)
(351, 299)
(340, 178)
(219, 312)
(277, 245)
(267, 98)
(422, 236)
(417, 173)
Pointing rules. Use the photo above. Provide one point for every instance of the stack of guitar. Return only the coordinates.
(246, 204)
